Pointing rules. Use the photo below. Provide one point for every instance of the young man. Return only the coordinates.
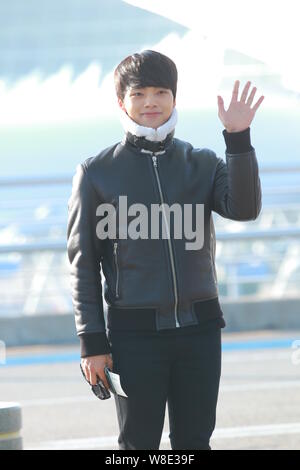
(164, 319)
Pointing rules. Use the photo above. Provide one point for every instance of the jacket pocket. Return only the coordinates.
(117, 284)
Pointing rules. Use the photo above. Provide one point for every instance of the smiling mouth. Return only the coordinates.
(151, 114)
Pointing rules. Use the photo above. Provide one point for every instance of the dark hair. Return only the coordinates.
(148, 68)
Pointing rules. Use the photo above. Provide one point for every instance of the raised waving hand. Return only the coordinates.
(240, 113)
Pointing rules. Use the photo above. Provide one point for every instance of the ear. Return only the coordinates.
(121, 104)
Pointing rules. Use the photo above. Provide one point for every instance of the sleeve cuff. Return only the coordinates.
(94, 344)
(238, 142)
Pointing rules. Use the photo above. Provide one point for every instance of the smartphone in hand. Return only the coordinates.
(99, 389)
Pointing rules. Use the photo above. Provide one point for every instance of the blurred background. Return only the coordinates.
(58, 107)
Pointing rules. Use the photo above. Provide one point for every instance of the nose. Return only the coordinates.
(150, 101)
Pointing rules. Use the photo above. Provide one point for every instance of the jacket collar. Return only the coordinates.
(144, 144)
(147, 138)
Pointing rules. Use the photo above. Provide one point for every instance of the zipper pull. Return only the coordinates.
(115, 247)
(154, 158)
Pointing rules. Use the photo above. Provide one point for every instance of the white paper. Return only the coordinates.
(115, 378)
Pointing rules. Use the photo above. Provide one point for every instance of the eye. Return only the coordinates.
(137, 93)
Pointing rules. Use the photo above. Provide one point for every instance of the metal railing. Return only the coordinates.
(256, 259)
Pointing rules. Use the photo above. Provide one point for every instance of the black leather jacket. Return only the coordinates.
(153, 283)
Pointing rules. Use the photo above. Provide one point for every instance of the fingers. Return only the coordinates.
(258, 103)
(221, 106)
(94, 369)
(245, 92)
(90, 373)
(251, 97)
(96, 374)
(103, 378)
(235, 91)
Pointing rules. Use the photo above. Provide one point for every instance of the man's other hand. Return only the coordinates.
(93, 367)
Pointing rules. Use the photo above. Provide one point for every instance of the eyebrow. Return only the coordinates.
(143, 88)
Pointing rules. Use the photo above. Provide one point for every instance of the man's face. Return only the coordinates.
(149, 106)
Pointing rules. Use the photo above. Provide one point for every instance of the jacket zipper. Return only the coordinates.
(117, 269)
(154, 159)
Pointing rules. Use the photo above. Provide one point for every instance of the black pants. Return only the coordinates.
(181, 368)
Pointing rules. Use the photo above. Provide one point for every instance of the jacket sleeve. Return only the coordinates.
(236, 191)
(84, 253)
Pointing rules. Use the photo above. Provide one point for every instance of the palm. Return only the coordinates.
(240, 114)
